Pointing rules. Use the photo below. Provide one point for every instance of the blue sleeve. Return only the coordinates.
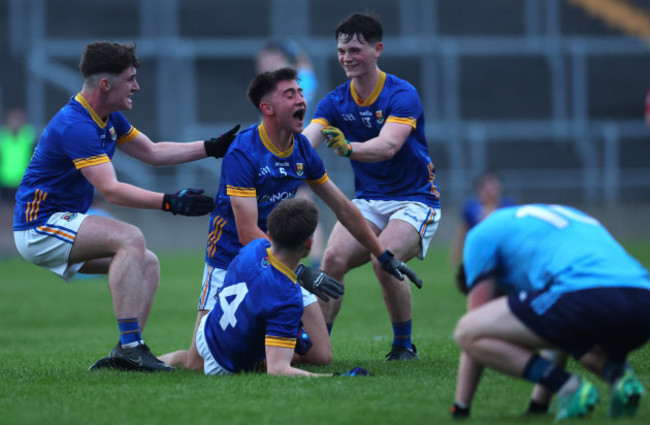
(480, 255)
(238, 171)
(315, 167)
(405, 103)
(283, 321)
(326, 111)
(81, 143)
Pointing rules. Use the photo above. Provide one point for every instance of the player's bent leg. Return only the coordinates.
(313, 322)
(189, 359)
(496, 338)
(342, 254)
(403, 241)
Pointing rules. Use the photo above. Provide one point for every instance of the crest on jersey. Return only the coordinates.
(300, 168)
(380, 116)
(113, 133)
(265, 261)
(70, 216)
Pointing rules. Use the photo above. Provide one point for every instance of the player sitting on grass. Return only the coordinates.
(259, 307)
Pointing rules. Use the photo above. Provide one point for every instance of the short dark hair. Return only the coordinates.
(292, 222)
(266, 82)
(110, 58)
(367, 25)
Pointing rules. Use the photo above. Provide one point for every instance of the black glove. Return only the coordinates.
(458, 412)
(217, 146)
(188, 202)
(355, 371)
(318, 283)
(397, 267)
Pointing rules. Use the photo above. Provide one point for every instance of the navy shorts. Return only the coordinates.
(617, 319)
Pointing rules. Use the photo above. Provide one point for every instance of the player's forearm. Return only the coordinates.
(131, 196)
(249, 233)
(374, 150)
(173, 153)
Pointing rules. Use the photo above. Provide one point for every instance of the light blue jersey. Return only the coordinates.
(407, 176)
(535, 247)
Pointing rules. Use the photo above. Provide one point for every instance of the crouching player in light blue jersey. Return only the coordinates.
(569, 286)
(72, 159)
(254, 323)
(376, 120)
(265, 165)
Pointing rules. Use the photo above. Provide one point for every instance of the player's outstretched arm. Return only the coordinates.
(318, 283)
(278, 362)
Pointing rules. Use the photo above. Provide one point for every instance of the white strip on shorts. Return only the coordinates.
(210, 365)
(213, 279)
(423, 218)
(49, 245)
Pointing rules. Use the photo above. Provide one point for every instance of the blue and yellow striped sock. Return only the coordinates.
(129, 330)
(402, 334)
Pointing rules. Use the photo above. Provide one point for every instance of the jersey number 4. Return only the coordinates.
(237, 291)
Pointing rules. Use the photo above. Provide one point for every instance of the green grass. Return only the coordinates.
(50, 332)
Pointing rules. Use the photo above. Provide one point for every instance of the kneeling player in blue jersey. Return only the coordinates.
(258, 310)
(569, 286)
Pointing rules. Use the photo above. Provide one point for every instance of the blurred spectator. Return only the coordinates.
(280, 54)
(17, 138)
(487, 199)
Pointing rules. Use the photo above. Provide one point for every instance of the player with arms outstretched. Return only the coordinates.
(376, 120)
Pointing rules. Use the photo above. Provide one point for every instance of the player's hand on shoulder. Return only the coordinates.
(218, 146)
(190, 202)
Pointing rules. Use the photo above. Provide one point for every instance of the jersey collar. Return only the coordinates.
(375, 92)
(281, 267)
(79, 98)
(270, 146)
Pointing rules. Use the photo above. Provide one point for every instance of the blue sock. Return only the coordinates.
(129, 330)
(402, 334)
(545, 372)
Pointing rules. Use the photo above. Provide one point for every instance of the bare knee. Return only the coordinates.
(463, 334)
(151, 268)
(334, 264)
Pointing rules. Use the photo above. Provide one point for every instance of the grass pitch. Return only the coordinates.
(51, 332)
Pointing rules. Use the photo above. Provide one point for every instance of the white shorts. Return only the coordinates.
(423, 218)
(210, 365)
(213, 281)
(49, 245)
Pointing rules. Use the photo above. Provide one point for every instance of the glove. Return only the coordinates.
(318, 283)
(217, 146)
(458, 412)
(188, 202)
(355, 371)
(336, 141)
(396, 268)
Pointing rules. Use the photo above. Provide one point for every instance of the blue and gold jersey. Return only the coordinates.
(75, 138)
(259, 304)
(536, 247)
(410, 174)
(253, 167)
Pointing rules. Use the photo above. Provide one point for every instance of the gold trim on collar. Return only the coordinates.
(375, 92)
(281, 267)
(79, 98)
(270, 146)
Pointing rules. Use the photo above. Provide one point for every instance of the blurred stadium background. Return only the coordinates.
(547, 94)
